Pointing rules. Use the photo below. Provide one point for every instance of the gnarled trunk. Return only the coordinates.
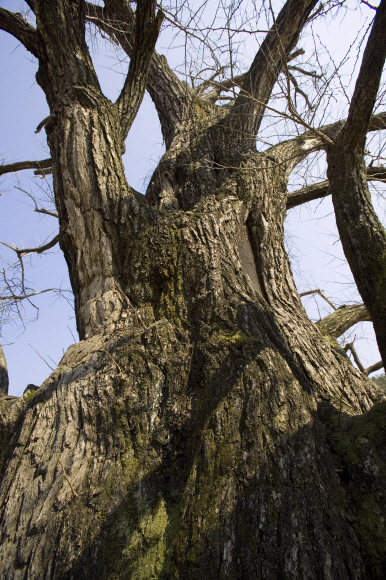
(199, 428)
(187, 443)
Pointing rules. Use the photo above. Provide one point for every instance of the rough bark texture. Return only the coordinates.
(192, 433)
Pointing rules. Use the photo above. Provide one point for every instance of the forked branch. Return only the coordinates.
(38, 250)
(117, 20)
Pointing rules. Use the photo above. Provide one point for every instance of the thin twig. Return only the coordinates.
(104, 350)
(317, 291)
(38, 353)
(68, 481)
(71, 333)
(360, 366)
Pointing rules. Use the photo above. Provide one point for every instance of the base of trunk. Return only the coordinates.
(147, 456)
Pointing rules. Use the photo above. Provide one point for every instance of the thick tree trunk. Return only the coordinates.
(188, 443)
(204, 428)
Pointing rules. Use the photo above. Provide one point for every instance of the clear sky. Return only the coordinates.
(312, 239)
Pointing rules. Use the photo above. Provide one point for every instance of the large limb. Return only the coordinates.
(362, 235)
(338, 322)
(169, 94)
(20, 29)
(147, 27)
(248, 110)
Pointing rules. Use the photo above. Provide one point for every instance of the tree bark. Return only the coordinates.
(192, 433)
(362, 235)
(3, 373)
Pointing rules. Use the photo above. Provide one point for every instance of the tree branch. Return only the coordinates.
(322, 189)
(362, 234)
(248, 110)
(350, 346)
(169, 94)
(12, 167)
(147, 27)
(27, 296)
(20, 29)
(375, 367)
(367, 85)
(342, 319)
(229, 84)
(37, 209)
(38, 250)
(294, 150)
(317, 291)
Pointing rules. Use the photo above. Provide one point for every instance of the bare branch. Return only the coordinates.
(361, 232)
(308, 73)
(26, 296)
(169, 94)
(294, 150)
(16, 25)
(375, 367)
(342, 319)
(147, 27)
(317, 291)
(38, 250)
(229, 84)
(350, 346)
(37, 209)
(42, 124)
(371, 369)
(321, 189)
(367, 85)
(308, 193)
(248, 109)
(13, 167)
(43, 359)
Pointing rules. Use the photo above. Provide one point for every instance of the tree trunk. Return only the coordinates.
(188, 443)
(203, 428)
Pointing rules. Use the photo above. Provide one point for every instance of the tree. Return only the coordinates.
(203, 427)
